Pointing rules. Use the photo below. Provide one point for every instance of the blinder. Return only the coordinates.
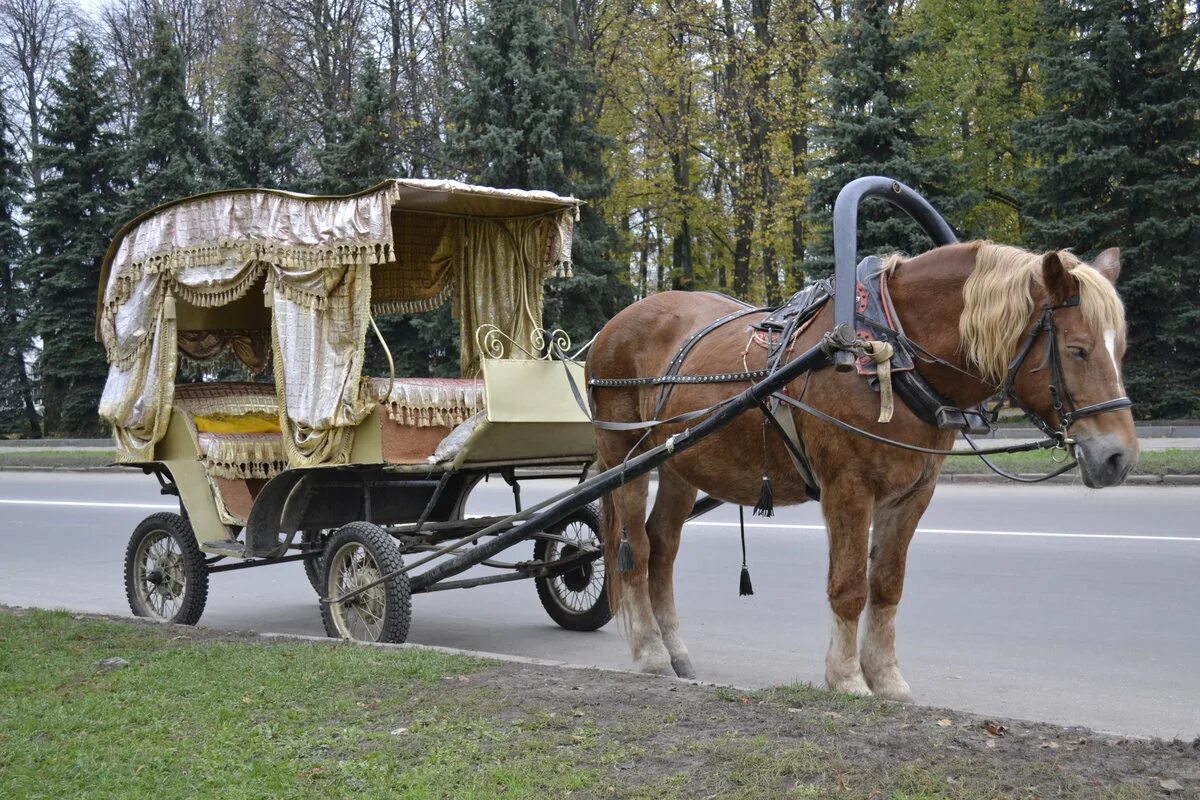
(1061, 401)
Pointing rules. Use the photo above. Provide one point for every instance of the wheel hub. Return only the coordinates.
(577, 578)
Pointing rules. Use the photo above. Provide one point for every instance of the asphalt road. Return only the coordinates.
(1049, 603)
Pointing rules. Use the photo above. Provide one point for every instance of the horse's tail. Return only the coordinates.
(610, 534)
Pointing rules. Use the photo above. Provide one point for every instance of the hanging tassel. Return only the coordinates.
(625, 553)
(766, 499)
(744, 586)
(765, 507)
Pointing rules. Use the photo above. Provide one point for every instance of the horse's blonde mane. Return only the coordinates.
(998, 301)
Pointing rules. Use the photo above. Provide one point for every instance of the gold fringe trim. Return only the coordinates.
(227, 457)
(416, 306)
(426, 417)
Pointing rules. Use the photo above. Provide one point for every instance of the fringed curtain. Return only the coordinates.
(504, 264)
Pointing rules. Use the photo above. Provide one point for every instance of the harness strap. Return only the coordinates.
(781, 420)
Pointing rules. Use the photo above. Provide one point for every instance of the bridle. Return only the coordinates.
(1061, 401)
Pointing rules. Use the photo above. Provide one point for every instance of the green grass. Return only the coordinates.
(56, 458)
(202, 714)
(1151, 462)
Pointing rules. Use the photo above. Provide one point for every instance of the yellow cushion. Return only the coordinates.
(258, 422)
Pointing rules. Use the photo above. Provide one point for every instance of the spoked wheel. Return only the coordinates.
(578, 598)
(357, 555)
(165, 575)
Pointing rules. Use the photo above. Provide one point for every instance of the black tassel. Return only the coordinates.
(744, 585)
(766, 499)
(625, 554)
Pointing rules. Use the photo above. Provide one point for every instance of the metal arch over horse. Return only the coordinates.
(984, 319)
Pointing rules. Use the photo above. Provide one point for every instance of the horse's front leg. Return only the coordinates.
(895, 524)
(847, 512)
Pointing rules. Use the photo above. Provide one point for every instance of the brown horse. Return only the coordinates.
(972, 305)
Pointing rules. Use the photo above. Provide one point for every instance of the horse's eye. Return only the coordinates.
(1077, 353)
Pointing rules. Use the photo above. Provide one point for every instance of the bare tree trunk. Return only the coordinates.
(740, 190)
(759, 101)
(33, 39)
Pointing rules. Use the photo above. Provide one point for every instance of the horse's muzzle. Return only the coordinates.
(1104, 460)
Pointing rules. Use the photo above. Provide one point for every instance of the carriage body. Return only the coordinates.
(316, 454)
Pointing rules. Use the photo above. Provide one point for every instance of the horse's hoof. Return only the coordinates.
(851, 684)
(893, 687)
(683, 668)
(656, 666)
(655, 663)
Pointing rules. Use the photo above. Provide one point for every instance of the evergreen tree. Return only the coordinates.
(254, 148)
(1117, 146)
(17, 411)
(518, 124)
(71, 220)
(168, 153)
(362, 153)
(871, 129)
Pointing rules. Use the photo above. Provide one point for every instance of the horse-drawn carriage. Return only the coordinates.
(316, 462)
(355, 475)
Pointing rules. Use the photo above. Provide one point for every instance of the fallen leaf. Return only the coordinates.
(944, 723)
(1171, 786)
(990, 743)
(368, 706)
(316, 770)
(744, 700)
(247, 699)
(577, 713)
(1113, 742)
(995, 728)
(399, 731)
(1049, 745)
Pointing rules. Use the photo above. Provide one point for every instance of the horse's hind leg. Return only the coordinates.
(848, 520)
(672, 504)
(895, 524)
(628, 503)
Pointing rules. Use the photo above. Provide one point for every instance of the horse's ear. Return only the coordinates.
(1060, 284)
(1109, 264)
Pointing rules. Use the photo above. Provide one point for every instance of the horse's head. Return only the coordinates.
(1051, 330)
(1075, 370)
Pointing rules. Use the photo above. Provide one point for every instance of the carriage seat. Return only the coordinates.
(236, 426)
(420, 412)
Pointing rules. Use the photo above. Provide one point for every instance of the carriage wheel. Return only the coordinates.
(578, 598)
(358, 554)
(314, 568)
(166, 578)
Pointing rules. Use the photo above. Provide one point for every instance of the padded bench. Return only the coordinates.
(418, 413)
(236, 426)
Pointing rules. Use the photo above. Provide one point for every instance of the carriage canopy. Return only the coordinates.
(285, 279)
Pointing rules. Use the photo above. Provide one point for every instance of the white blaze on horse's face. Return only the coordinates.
(1110, 344)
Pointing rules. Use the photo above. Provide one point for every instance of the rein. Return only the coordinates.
(1062, 401)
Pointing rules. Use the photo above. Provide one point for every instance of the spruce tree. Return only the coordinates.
(18, 414)
(871, 129)
(168, 152)
(71, 219)
(1117, 148)
(254, 148)
(362, 154)
(518, 124)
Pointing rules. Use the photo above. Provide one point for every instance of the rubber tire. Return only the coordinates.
(382, 548)
(314, 568)
(195, 590)
(595, 617)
